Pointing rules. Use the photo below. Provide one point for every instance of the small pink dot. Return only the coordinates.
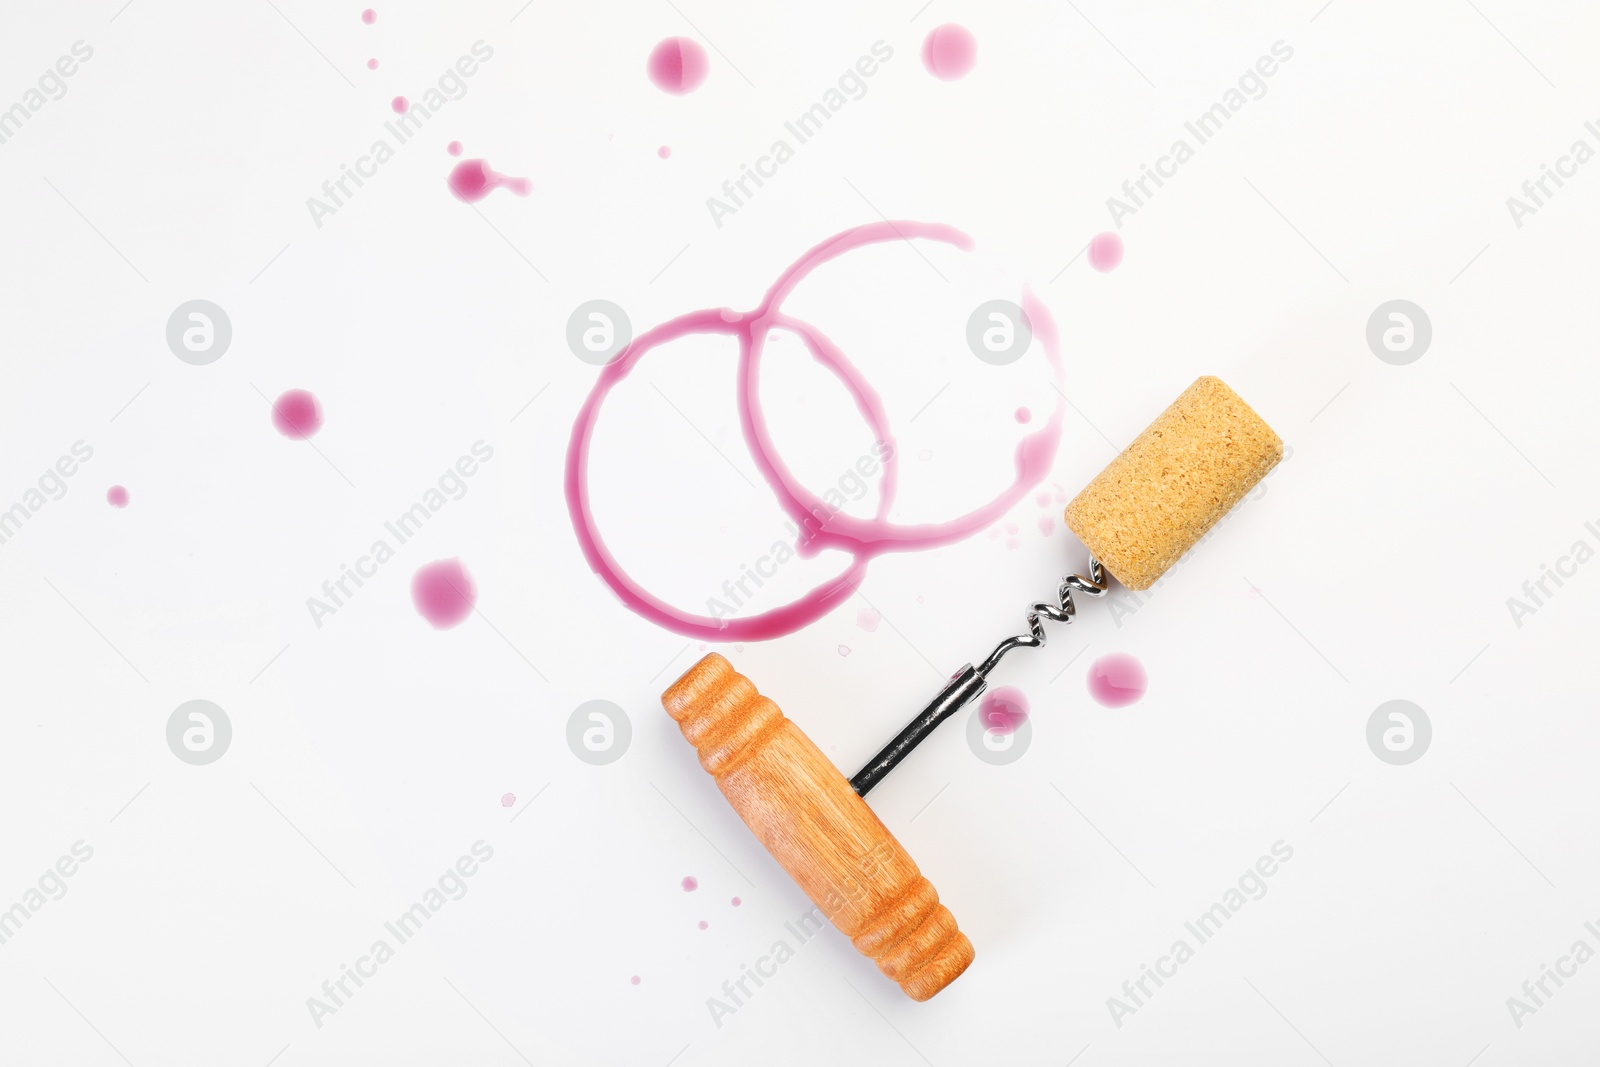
(297, 414)
(1024, 416)
(1117, 680)
(736, 902)
(634, 979)
(369, 16)
(1105, 252)
(950, 52)
(443, 593)
(454, 148)
(844, 650)
(509, 800)
(372, 64)
(704, 924)
(117, 496)
(663, 151)
(690, 883)
(678, 65)
(400, 104)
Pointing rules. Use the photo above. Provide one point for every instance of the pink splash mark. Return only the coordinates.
(950, 52)
(736, 902)
(454, 148)
(704, 924)
(372, 64)
(443, 593)
(1003, 710)
(1105, 252)
(863, 538)
(664, 152)
(369, 16)
(400, 104)
(868, 620)
(1012, 527)
(678, 65)
(473, 179)
(1024, 416)
(1047, 524)
(690, 883)
(297, 414)
(844, 650)
(509, 800)
(634, 979)
(117, 496)
(1117, 680)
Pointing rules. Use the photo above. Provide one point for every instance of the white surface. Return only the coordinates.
(373, 751)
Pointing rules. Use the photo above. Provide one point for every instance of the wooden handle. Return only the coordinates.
(803, 810)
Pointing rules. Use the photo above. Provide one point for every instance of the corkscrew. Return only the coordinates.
(1137, 517)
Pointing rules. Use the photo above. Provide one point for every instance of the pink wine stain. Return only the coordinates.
(509, 800)
(704, 924)
(473, 179)
(949, 52)
(443, 593)
(1024, 416)
(690, 883)
(454, 148)
(400, 104)
(1003, 710)
(297, 414)
(868, 619)
(844, 650)
(117, 496)
(1047, 524)
(369, 16)
(634, 979)
(861, 537)
(372, 64)
(678, 65)
(664, 152)
(1117, 680)
(1105, 252)
(736, 902)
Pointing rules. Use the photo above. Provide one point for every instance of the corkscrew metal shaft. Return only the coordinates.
(971, 681)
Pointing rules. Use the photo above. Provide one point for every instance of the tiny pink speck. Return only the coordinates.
(736, 902)
(1105, 252)
(509, 800)
(690, 883)
(454, 148)
(1117, 680)
(844, 650)
(1024, 415)
(634, 979)
(369, 16)
(664, 152)
(443, 593)
(400, 104)
(704, 924)
(949, 52)
(678, 65)
(868, 619)
(117, 496)
(297, 414)
(372, 64)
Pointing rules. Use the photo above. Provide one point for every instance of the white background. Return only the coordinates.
(370, 753)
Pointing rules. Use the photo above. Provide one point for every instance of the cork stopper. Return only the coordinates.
(1182, 474)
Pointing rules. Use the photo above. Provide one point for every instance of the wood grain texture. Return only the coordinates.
(1176, 481)
(803, 810)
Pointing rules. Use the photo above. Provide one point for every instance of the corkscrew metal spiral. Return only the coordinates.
(971, 681)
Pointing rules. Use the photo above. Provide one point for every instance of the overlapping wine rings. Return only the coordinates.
(822, 525)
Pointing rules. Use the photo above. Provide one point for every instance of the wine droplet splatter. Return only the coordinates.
(372, 64)
(1117, 680)
(634, 979)
(443, 593)
(1024, 416)
(664, 152)
(868, 619)
(369, 16)
(949, 52)
(474, 179)
(400, 104)
(454, 148)
(297, 414)
(1003, 710)
(678, 65)
(117, 496)
(704, 924)
(736, 902)
(509, 800)
(1105, 252)
(690, 883)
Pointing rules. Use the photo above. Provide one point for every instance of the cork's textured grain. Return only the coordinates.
(1183, 473)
